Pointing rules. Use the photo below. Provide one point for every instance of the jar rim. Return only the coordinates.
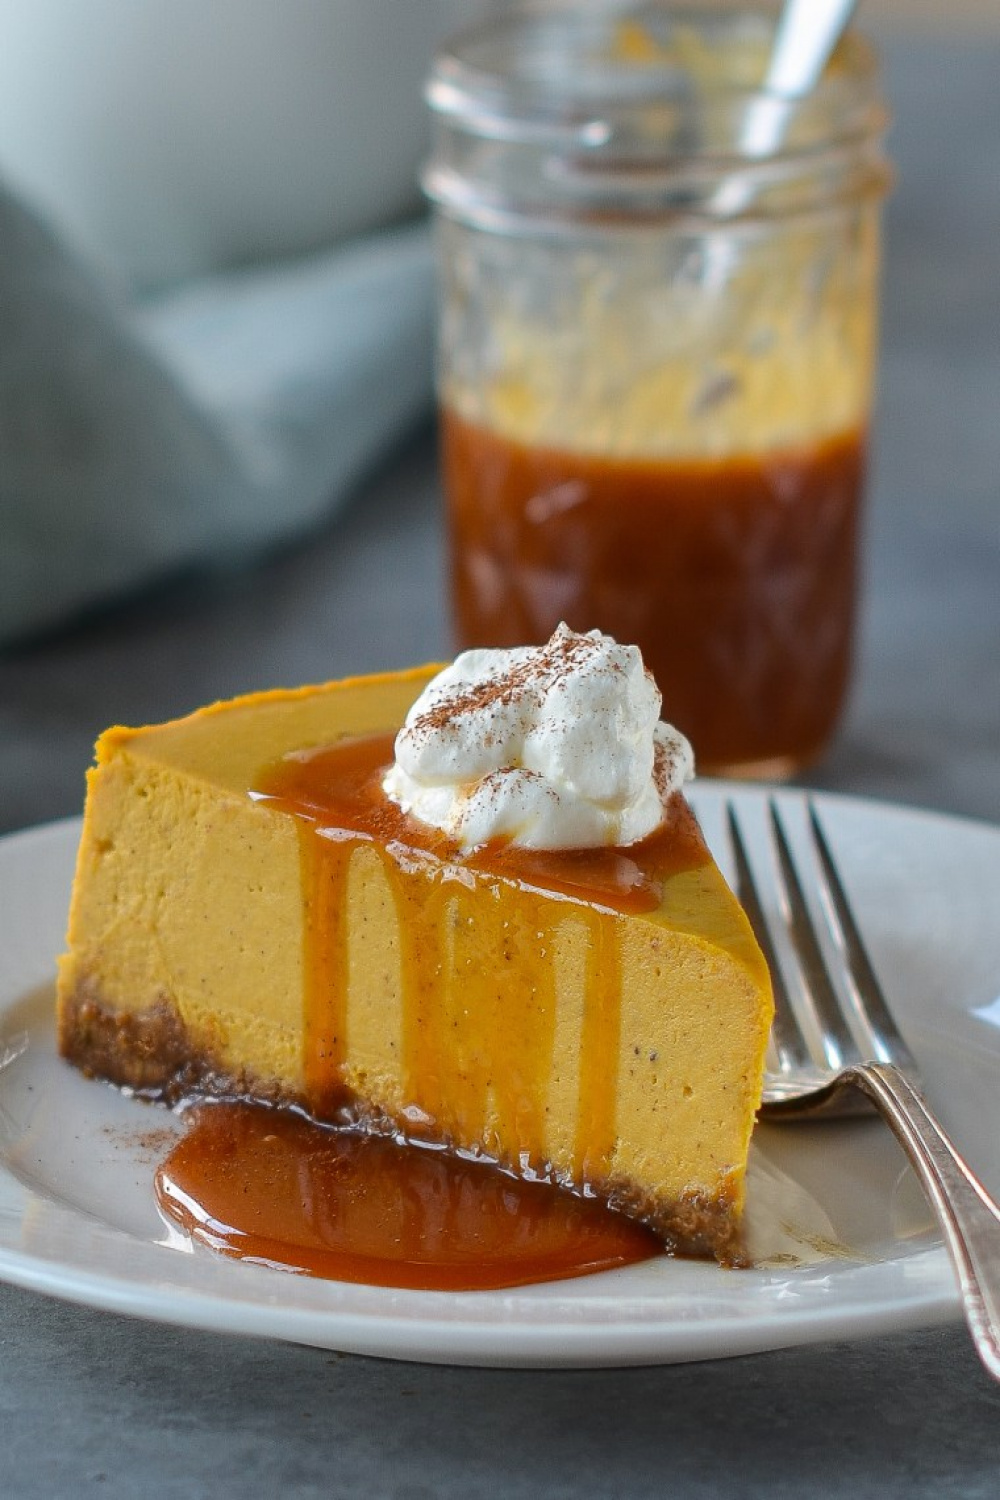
(577, 83)
(572, 114)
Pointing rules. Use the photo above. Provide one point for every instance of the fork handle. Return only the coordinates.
(968, 1218)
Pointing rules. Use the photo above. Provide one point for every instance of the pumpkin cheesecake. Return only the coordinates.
(310, 898)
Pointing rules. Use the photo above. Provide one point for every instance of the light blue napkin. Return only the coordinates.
(138, 438)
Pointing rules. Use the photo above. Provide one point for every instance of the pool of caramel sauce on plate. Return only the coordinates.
(281, 1188)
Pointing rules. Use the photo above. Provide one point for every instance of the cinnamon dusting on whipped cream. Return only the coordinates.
(549, 747)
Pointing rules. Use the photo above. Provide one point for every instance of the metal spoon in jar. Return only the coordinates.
(806, 36)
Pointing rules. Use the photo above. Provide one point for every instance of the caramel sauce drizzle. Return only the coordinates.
(595, 1125)
(477, 1041)
(478, 1056)
(325, 975)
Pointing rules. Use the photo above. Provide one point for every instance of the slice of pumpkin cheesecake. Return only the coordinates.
(289, 898)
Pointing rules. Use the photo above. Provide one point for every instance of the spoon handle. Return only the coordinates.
(807, 33)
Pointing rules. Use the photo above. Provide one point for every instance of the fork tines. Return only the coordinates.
(829, 1006)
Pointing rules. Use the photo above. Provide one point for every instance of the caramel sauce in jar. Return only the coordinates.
(477, 1048)
(736, 577)
(656, 350)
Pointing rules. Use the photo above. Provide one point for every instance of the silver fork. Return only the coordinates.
(835, 1048)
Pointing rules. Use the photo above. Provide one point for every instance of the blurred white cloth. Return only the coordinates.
(138, 437)
(158, 409)
(168, 138)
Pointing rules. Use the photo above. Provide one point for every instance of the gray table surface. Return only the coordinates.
(95, 1404)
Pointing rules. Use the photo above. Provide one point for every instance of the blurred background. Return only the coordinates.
(217, 455)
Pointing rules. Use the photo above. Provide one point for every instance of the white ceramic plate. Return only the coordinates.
(844, 1243)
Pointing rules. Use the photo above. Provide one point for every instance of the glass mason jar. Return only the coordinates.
(656, 350)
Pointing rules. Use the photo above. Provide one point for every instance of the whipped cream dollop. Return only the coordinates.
(550, 747)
